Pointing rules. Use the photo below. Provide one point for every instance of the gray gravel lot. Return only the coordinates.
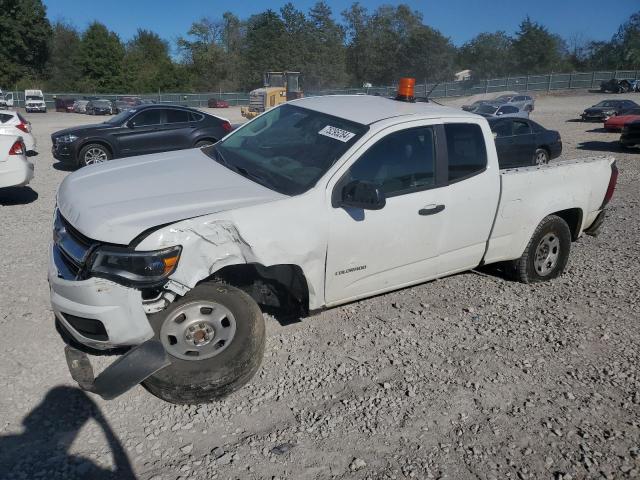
(469, 377)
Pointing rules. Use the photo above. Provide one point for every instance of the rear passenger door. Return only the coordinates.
(177, 128)
(470, 198)
(524, 142)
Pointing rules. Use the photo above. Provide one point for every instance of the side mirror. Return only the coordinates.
(495, 135)
(131, 124)
(361, 194)
(499, 112)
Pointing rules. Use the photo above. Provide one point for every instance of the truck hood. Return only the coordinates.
(116, 201)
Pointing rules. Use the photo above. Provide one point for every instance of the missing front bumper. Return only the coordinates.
(126, 372)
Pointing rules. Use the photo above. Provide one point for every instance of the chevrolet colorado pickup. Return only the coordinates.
(168, 259)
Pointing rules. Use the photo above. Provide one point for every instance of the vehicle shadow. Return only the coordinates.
(601, 147)
(42, 450)
(17, 196)
(599, 130)
(64, 167)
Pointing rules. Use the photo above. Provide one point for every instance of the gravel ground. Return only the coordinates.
(468, 377)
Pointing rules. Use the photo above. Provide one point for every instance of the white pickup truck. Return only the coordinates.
(168, 259)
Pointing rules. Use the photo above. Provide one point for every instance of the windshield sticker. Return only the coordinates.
(337, 133)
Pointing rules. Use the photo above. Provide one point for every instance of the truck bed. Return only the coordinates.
(528, 194)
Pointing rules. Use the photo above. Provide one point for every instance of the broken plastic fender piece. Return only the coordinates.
(126, 372)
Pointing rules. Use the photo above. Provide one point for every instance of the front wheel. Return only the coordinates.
(547, 253)
(92, 154)
(215, 338)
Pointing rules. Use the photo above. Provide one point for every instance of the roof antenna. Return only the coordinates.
(427, 99)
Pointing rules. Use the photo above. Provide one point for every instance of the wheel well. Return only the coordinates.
(279, 289)
(210, 139)
(573, 217)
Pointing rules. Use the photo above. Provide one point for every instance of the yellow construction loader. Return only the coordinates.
(278, 88)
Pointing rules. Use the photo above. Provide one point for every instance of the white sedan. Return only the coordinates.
(15, 169)
(12, 123)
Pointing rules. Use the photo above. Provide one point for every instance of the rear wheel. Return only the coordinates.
(541, 156)
(92, 154)
(215, 337)
(547, 253)
(204, 143)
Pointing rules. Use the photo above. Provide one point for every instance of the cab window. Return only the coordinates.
(402, 162)
(466, 152)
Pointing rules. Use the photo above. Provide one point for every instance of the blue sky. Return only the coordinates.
(458, 19)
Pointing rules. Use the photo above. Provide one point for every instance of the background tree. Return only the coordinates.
(265, 48)
(147, 66)
(25, 33)
(488, 55)
(100, 58)
(63, 66)
(325, 64)
(203, 54)
(536, 50)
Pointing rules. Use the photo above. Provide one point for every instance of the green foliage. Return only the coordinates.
(100, 59)
(147, 66)
(488, 55)
(535, 50)
(394, 42)
(230, 53)
(63, 66)
(24, 36)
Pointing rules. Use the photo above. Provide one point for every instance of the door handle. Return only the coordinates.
(431, 209)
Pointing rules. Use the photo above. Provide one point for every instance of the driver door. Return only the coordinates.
(371, 251)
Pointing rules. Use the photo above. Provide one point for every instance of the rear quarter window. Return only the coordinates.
(4, 118)
(466, 151)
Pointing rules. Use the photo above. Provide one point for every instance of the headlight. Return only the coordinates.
(67, 139)
(131, 267)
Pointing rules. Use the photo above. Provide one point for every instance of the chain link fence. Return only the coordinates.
(524, 83)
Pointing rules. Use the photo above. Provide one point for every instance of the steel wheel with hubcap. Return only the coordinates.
(93, 154)
(547, 253)
(215, 338)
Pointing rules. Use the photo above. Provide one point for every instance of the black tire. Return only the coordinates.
(204, 143)
(541, 157)
(526, 269)
(91, 150)
(201, 381)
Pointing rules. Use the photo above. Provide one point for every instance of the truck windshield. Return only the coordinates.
(33, 97)
(288, 148)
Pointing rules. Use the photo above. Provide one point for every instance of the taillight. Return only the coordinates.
(612, 185)
(226, 126)
(17, 148)
(23, 126)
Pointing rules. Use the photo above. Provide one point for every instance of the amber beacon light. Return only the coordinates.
(406, 89)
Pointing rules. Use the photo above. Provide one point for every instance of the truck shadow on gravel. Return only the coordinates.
(602, 147)
(17, 196)
(42, 450)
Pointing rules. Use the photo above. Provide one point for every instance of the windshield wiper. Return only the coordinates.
(243, 171)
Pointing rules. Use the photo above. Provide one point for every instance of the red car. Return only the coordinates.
(615, 123)
(217, 103)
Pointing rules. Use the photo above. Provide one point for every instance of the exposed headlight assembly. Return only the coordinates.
(135, 268)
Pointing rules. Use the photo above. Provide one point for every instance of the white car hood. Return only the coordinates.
(116, 201)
